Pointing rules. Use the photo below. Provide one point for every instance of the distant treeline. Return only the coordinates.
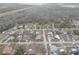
(45, 14)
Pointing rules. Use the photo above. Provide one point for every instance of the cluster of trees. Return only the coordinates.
(19, 51)
(63, 24)
(9, 21)
(45, 14)
(6, 27)
(76, 32)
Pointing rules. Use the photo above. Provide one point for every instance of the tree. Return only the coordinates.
(63, 24)
(33, 35)
(19, 51)
(76, 32)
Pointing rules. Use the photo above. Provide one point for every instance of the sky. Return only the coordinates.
(39, 1)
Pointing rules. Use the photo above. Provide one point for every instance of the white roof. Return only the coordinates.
(49, 32)
(73, 49)
(30, 49)
(57, 36)
(61, 50)
(19, 36)
(37, 32)
(3, 32)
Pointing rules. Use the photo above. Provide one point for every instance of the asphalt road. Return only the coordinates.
(14, 11)
(45, 41)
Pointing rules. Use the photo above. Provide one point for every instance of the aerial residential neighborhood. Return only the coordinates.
(39, 30)
(33, 41)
